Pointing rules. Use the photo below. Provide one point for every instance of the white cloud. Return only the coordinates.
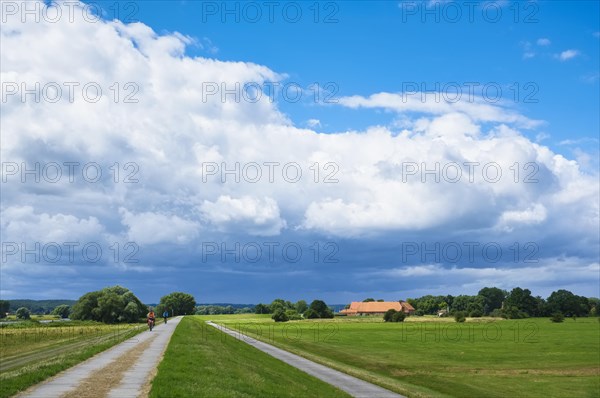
(532, 215)
(541, 137)
(543, 41)
(477, 108)
(312, 123)
(207, 44)
(174, 130)
(550, 272)
(578, 141)
(528, 52)
(568, 54)
(22, 224)
(150, 228)
(255, 216)
(585, 159)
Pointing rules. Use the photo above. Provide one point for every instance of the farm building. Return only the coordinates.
(376, 308)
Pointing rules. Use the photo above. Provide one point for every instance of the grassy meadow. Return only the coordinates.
(431, 357)
(422, 357)
(31, 352)
(201, 361)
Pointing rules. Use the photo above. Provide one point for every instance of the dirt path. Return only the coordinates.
(99, 383)
(123, 371)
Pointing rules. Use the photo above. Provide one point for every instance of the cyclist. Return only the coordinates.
(150, 317)
(165, 315)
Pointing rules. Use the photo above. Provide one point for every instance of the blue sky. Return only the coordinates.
(372, 222)
(367, 48)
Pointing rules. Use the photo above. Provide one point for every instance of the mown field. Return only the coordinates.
(202, 362)
(31, 352)
(429, 357)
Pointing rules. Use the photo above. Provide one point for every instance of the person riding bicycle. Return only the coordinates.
(150, 316)
(165, 315)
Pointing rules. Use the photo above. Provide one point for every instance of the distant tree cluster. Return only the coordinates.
(518, 303)
(370, 300)
(176, 303)
(23, 313)
(4, 308)
(220, 310)
(284, 311)
(262, 309)
(62, 310)
(109, 305)
(318, 309)
(37, 307)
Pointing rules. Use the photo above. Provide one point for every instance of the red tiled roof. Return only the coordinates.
(376, 307)
(372, 307)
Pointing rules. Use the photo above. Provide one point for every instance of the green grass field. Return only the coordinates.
(31, 352)
(429, 357)
(34, 317)
(204, 362)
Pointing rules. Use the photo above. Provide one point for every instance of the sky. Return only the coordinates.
(247, 151)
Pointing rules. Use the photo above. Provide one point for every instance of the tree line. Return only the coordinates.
(42, 307)
(37, 307)
(284, 311)
(118, 304)
(114, 304)
(515, 304)
(213, 309)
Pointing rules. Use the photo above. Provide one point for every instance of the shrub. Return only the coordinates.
(23, 313)
(557, 317)
(476, 314)
(389, 314)
(496, 313)
(321, 309)
(392, 315)
(301, 306)
(280, 316)
(62, 311)
(262, 309)
(293, 315)
(460, 316)
(398, 316)
(311, 314)
(4, 308)
(513, 312)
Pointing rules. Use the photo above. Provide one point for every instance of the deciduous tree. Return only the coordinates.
(62, 310)
(23, 313)
(178, 303)
(110, 305)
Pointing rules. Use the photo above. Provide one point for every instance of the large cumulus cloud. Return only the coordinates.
(188, 155)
